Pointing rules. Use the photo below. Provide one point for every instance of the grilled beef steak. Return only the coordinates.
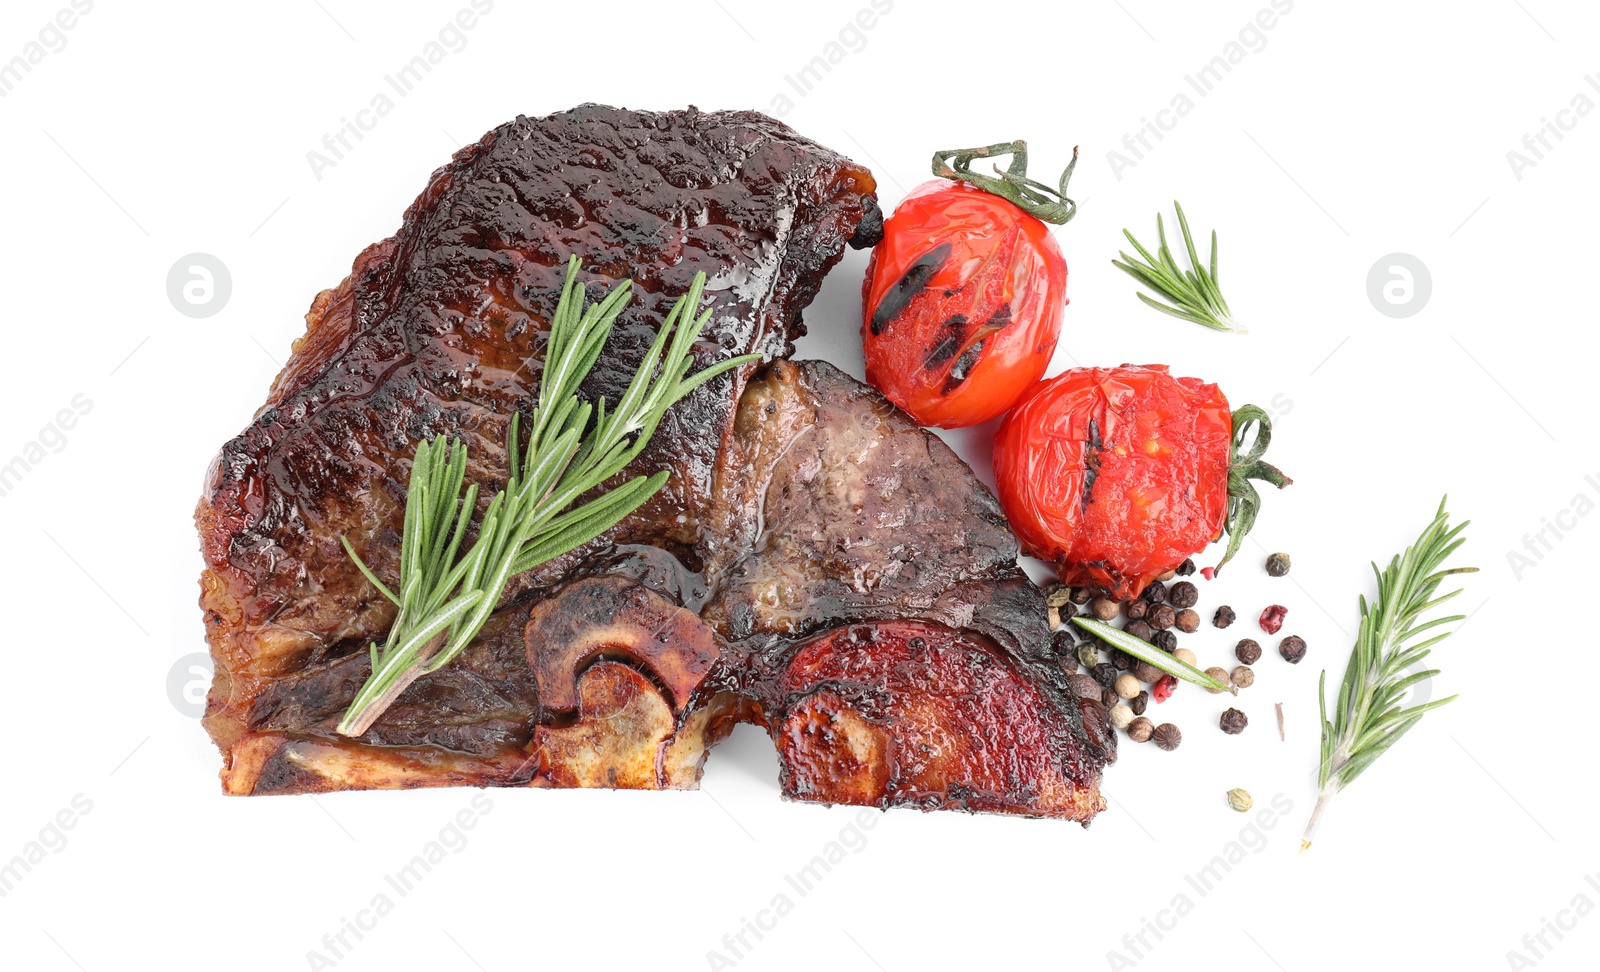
(816, 564)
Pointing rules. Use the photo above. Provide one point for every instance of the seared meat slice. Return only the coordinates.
(909, 713)
(440, 329)
(871, 583)
(831, 503)
(933, 685)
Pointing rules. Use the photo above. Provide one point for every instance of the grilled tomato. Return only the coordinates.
(1116, 475)
(964, 295)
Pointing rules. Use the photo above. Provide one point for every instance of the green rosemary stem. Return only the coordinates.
(445, 596)
(1369, 715)
(1146, 652)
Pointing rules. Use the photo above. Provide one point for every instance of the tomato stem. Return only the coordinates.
(1012, 183)
(1245, 464)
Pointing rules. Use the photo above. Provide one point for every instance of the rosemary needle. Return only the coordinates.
(1193, 295)
(1368, 716)
(1150, 654)
(443, 597)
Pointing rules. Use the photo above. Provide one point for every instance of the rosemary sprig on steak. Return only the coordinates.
(1369, 715)
(444, 597)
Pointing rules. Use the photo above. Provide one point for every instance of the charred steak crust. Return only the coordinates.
(806, 516)
(440, 329)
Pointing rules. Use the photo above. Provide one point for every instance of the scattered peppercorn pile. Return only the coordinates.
(1163, 610)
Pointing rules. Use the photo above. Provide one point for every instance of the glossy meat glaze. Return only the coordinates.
(804, 512)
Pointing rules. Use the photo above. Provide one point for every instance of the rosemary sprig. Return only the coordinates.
(1194, 294)
(1146, 652)
(445, 599)
(1368, 717)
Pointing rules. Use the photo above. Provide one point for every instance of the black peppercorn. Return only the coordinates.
(1061, 644)
(1165, 640)
(1084, 686)
(1187, 621)
(1247, 651)
(1161, 616)
(1139, 703)
(1155, 593)
(1278, 564)
(1292, 648)
(1105, 673)
(1136, 608)
(1121, 660)
(1233, 722)
(1224, 617)
(1166, 736)
(1138, 629)
(1183, 594)
(1109, 697)
(1186, 568)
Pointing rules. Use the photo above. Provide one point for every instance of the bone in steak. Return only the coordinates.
(816, 564)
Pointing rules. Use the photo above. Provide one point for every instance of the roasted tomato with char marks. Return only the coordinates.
(1116, 475)
(963, 299)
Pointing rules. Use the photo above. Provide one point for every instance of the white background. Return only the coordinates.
(1360, 129)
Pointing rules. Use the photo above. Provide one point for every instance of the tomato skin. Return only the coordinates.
(1115, 474)
(962, 304)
